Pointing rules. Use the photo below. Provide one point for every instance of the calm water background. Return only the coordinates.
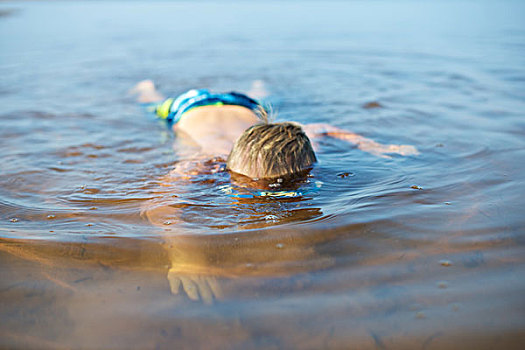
(409, 252)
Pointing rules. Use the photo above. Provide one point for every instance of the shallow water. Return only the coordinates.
(408, 252)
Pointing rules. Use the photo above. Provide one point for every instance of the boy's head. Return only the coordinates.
(271, 150)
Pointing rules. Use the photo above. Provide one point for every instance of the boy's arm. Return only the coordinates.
(184, 274)
(367, 145)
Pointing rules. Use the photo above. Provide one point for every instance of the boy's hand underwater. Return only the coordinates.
(196, 287)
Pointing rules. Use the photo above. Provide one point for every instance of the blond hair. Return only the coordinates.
(271, 150)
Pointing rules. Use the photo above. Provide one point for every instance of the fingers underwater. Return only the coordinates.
(197, 288)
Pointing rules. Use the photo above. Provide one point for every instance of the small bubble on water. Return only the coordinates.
(445, 262)
(415, 307)
(279, 246)
(372, 105)
(442, 284)
(13, 220)
(344, 175)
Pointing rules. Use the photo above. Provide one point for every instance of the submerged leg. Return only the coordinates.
(146, 92)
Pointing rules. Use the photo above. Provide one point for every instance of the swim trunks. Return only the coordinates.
(173, 108)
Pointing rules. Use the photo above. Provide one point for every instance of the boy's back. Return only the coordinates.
(216, 129)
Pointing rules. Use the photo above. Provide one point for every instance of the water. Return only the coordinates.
(407, 252)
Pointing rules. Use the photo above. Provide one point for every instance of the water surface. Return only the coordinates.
(407, 252)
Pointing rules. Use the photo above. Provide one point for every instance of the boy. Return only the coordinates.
(236, 126)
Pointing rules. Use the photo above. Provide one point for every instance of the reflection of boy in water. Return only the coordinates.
(258, 153)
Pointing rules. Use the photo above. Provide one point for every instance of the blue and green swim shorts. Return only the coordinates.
(172, 109)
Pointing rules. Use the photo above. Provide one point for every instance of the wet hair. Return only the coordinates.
(273, 150)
